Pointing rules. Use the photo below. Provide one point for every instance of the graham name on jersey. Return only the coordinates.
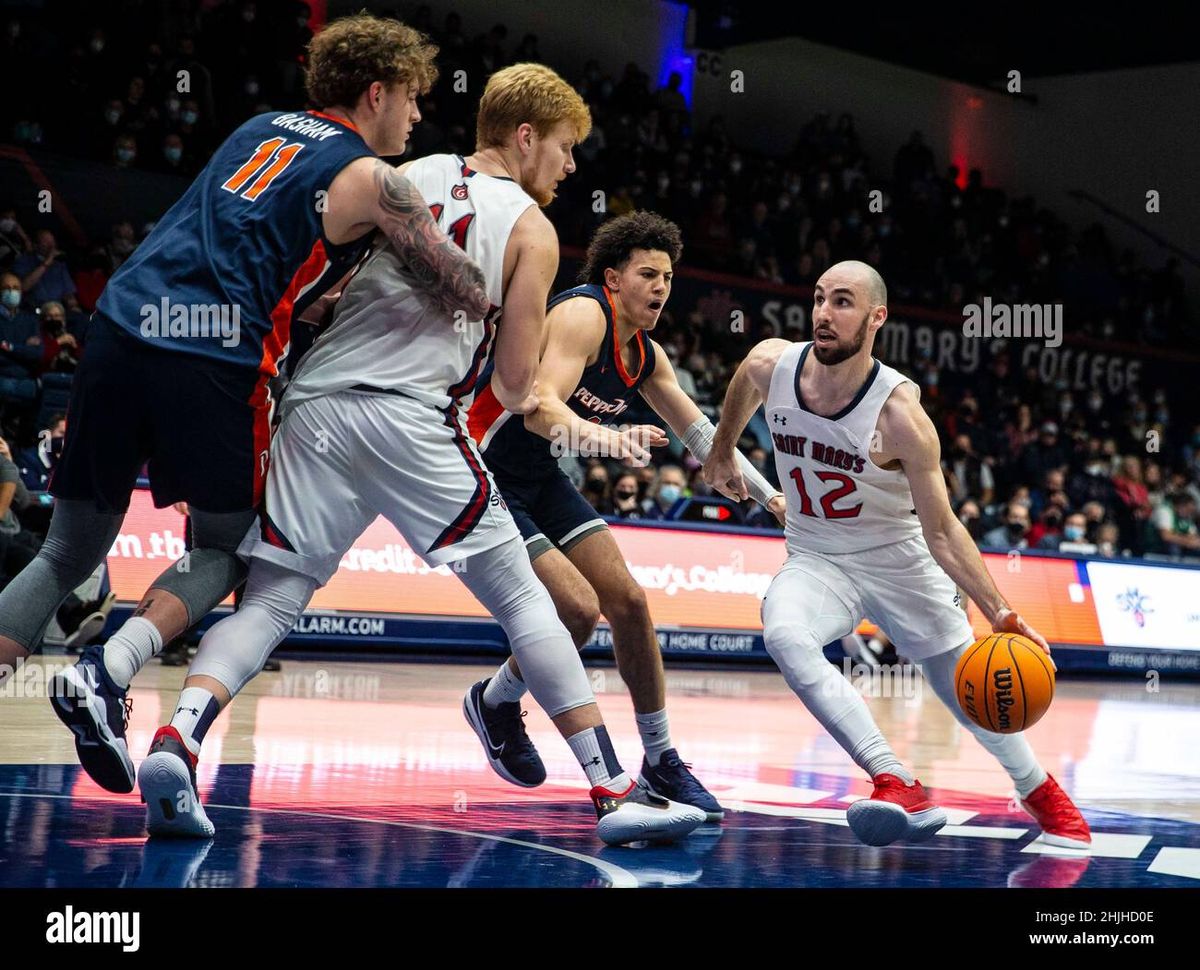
(307, 125)
(791, 444)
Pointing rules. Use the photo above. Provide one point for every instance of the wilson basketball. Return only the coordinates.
(1004, 682)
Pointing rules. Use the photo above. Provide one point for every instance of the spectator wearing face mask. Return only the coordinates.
(670, 488)
(124, 152)
(20, 345)
(970, 515)
(172, 159)
(1072, 537)
(625, 497)
(60, 349)
(1092, 483)
(1108, 538)
(1011, 533)
(969, 474)
(37, 462)
(597, 490)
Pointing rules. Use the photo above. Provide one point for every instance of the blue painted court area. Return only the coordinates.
(56, 840)
(367, 775)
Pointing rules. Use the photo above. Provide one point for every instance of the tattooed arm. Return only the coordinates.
(370, 193)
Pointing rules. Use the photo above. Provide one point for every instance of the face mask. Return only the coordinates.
(173, 154)
(885, 230)
(1016, 529)
(1073, 533)
(697, 187)
(669, 493)
(125, 155)
(595, 485)
(248, 16)
(252, 88)
(173, 106)
(112, 116)
(12, 299)
(96, 45)
(735, 166)
(1003, 220)
(189, 117)
(625, 496)
(8, 225)
(301, 22)
(1162, 416)
(1096, 469)
(664, 184)
(1095, 403)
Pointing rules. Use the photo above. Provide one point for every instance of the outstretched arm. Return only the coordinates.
(368, 192)
(908, 434)
(746, 392)
(663, 393)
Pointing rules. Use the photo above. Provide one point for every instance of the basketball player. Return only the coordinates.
(597, 355)
(374, 424)
(870, 532)
(189, 331)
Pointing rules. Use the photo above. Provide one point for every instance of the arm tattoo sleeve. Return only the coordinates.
(439, 266)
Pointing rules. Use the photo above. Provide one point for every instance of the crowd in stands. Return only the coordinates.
(1027, 464)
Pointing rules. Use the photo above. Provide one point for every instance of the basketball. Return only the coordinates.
(1004, 683)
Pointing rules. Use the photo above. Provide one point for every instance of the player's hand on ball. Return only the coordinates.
(1009, 621)
(778, 508)
(633, 444)
(722, 473)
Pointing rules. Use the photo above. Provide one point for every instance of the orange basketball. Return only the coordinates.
(1004, 682)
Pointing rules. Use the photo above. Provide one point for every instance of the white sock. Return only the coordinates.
(194, 715)
(130, 649)
(876, 757)
(596, 757)
(504, 687)
(656, 735)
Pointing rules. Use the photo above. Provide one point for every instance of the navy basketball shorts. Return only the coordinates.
(199, 426)
(550, 512)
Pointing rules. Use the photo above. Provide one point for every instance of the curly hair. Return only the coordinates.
(530, 93)
(614, 242)
(351, 53)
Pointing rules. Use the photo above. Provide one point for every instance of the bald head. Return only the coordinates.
(861, 276)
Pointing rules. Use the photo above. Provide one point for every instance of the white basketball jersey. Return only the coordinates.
(386, 331)
(838, 500)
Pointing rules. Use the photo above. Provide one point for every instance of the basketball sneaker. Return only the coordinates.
(167, 779)
(97, 711)
(894, 811)
(637, 815)
(1061, 822)
(501, 731)
(672, 779)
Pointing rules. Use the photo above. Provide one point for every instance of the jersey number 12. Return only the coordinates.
(846, 487)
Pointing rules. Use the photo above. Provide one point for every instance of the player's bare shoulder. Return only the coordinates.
(760, 362)
(533, 240)
(904, 432)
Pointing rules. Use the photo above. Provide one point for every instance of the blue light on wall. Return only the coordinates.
(672, 56)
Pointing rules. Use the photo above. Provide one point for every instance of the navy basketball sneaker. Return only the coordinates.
(501, 730)
(638, 815)
(167, 779)
(671, 779)
(97, 711)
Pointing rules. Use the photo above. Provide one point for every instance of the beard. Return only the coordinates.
(838, 352)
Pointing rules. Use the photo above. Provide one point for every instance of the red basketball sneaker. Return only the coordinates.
(895, 810)
(1061, 823)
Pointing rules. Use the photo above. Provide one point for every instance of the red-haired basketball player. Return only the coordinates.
(374, 424)
(870, 532)
(187, 334)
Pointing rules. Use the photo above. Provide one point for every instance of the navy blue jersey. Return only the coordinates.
(243, 252)
(603, 394)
